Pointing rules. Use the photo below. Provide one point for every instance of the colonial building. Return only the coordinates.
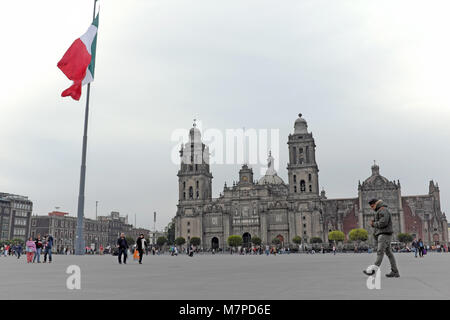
(15, 216)
(103, 231)
(270, 208)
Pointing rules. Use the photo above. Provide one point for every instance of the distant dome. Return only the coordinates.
(376, 179)
(271, 176)
(300, 126)
(271, 179)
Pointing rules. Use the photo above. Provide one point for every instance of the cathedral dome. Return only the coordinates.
(300, 126)
(376, 180)
(270, 179)
(271, 176)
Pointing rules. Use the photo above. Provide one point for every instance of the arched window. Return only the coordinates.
(310, 188)
(184, 185)
(184, 195)
(191, 193)
(196, 184)
(196, 194)
(309, 177)
(302, 186)
(295, 189)
(295, 178)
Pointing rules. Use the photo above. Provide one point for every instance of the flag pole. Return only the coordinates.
(79, 244)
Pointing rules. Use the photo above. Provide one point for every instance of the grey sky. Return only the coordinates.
(371, 79)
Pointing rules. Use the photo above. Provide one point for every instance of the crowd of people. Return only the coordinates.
(33, 249)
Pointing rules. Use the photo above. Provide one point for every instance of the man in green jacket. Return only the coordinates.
(382, 225)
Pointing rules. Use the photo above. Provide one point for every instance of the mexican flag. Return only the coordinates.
(78, 62)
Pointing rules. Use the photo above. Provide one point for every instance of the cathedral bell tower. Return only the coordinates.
(194, 176)
(302, 167)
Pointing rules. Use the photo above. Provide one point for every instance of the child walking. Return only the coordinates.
(31, 249)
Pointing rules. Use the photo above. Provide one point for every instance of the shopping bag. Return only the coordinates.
(424, 251)
(136, 255)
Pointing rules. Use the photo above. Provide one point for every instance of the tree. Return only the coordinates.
(130, 240)
(170, 230)
(297, 240)
(256, 241)
(358, 235)
(234, 241)
(161, 241)
(336, 235)
(404, 237)
(195, 241)
(180, 241)
(316, 240)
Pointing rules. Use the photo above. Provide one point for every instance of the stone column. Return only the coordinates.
(360, 215)
(226, 229)
(263, 223)
(401, 213)
(291, 224)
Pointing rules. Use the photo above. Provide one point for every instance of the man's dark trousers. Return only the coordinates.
(124, 252)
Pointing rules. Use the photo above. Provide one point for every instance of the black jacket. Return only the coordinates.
(139, 244)
(122, 243)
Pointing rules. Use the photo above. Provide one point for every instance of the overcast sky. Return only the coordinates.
(370, 77)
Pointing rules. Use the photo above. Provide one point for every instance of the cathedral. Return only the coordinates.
(271, 208)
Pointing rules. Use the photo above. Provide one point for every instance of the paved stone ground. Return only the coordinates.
(294, 276)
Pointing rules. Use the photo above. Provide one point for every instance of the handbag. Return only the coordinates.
(136, 255)
(424, 251)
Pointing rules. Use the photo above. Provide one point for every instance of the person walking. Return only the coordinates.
(37, 253)
(415, 245)
(30, 249)
(48, 248)
(19, 250)
(141, 245)
(123, 248)
(382, 225)
(421, 247)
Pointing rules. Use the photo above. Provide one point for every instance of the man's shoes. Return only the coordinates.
(369, 274)
(140, 262)
(120, 262)
(393, 274)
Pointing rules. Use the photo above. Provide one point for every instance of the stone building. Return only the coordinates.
(270, 208)
(15, 216)
(103, 231)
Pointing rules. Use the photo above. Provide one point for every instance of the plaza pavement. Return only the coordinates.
(294, 276)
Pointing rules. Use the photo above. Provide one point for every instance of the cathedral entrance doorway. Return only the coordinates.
(214, 243)
(281, 238)
(246, 240)
(436, 239)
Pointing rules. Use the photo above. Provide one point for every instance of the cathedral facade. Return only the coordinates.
(271, 208)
